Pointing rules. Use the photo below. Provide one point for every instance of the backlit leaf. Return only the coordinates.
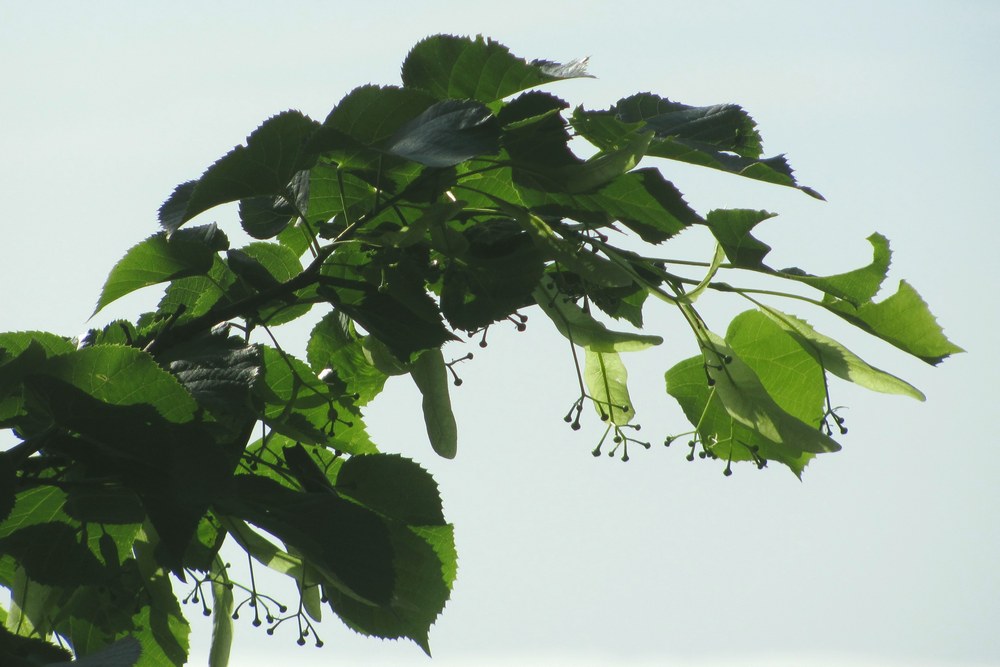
(431, 377)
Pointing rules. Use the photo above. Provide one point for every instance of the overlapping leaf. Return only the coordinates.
(273, 153)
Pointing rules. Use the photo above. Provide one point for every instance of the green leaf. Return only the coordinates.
(422, 565)
(273, 153)
(333, 344)
(447, 133)
(265, 217)
(431, 377)
(450, 67)
(582, 329)
(8, 486)
(219, 371)
(126, 652)
(188, 298)
(52, 555)
(264, 266)
(750, 403)
(720, 137)
(393, 486)
(587, 265)
(159, 259)
(336, 535)
(18, 651)
(17, 342)
(121, 375)
(731, 228)
(903, 320)
(104, 504)
(837, 359)
(222, 616)
(397, 310)
(362, 122)
(607, 381)
(856, 287)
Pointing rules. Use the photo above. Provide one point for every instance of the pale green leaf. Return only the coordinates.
(431, 377)
(903, 320)
(837, 359)
(582, 329)
(607, 381)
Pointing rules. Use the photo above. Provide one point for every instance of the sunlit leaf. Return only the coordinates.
(607, 381)
(902, 319)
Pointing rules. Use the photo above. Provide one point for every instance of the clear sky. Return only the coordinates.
(885, 554)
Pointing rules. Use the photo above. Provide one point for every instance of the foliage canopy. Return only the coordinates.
(414, 215)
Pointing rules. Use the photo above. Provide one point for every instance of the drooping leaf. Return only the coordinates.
(431, 377)
(607, 381)
(273, 153)
(447, 133)
(582, 329)
(159, 259)
(222, 617)
(837, 359)
(450, 67)
(903, 320)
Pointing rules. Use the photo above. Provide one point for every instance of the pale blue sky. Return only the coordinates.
(884, 555)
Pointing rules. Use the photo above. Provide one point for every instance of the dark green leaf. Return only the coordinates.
(393, 486)
(676, 127)
(219, 371)
(264, 266)
(731, 228)
(159, 259)
(362, 122)
(274, 152)
(904, 320)
(452, 67)
(423, 564)
(396, 310)
(447, 133)
(52, 555)
(18, 651)
(126, 652)
(265, 217)
(104, 505)
(8, 486)
(338, 536)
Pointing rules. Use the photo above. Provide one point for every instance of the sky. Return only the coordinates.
(884, 554)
